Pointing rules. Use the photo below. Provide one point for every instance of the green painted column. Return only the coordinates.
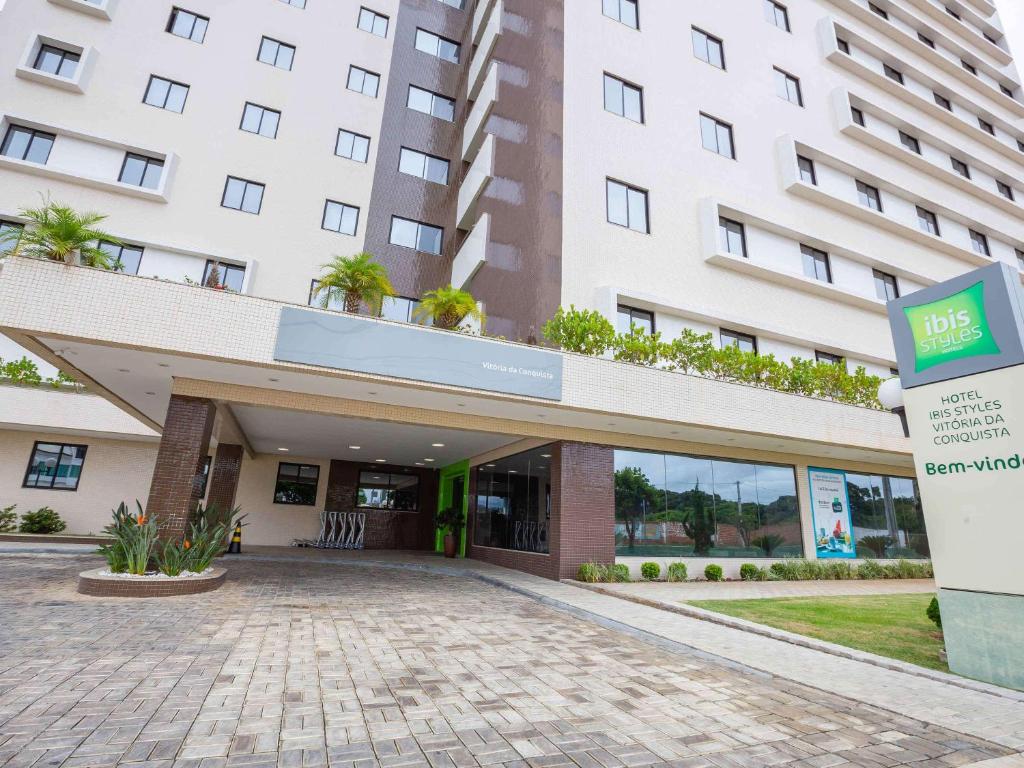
(446, 488)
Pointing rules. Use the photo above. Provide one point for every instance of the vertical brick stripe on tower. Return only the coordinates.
(586, 498)
(183, 445)
(227, 464)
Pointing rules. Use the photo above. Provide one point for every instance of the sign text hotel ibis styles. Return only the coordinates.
(349, 343)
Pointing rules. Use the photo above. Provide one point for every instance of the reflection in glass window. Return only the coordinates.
(10, 233)
(55, 466)
(388, 490)
(888, 521)
(229, 276)
(681, 506)
(513, 502)
(296, 484)
(398, 308)
(123, 258)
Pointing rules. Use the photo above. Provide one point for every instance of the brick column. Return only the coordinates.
(183, 445)
(584, 490)
(227, 464)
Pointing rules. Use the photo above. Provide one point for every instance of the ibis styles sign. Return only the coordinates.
(964, 326)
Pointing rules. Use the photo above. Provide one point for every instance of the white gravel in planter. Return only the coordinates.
(155, 575)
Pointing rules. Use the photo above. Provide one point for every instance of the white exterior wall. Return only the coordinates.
(669, 269)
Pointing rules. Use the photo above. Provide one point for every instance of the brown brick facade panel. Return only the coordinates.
(97, 586)
(227, 464)
(185, 442)
(586, 496)
(385, 529)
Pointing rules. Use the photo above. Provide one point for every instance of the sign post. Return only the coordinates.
(960, 347)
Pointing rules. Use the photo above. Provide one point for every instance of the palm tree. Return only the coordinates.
(447, 307)
(57, 232)
(359, 278)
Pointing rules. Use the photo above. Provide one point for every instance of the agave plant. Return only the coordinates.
(359, 279)
(57, 232)
(447, 308)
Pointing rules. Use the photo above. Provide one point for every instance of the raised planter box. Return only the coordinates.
(98, 585)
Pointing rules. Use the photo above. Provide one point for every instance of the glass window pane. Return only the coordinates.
(251, 118)
(345, 146)
(349, 219)
(39, 148)
(708, 133)
(269, 125)
(640, 501)
(151, 176)
(182, 24)
(69, 468)
(156, 94)
(419, 100)
(412, 163)
(429, 239)
(443, 108)
(725, 140)
(437, 170)
(613, 95)
(632, 104)
(628, 13)
(48, 60)
(134, 168)
(233, 193)
(618, 205)
(637, 210)
(43, 467)
(68, 65)
(403, 232)
(268, 51)
(332, 216)
(285, 54)
(16, 143)
(176, 97)
(199, 29)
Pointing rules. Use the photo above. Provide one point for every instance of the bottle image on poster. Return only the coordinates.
(830, 503)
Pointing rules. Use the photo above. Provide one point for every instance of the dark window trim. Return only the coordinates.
(277, 479)
(273, 64)
(828, 357)
(723, 221)
(389, 473)
(223, 266)
(64, 54)
(814, 168)
(634, 86)
(814, 254)
(323, 217)
(732, 137)
(170, 23)
(356, 135)
(149, 160)
(163, 106)
(796, 80)
(241, 121)
(224, 193)
(35, 132)
(715, 39)
(32, 455)
(445, 160)
(878, 274)
(933, 219)
(629, 188)
(637, 310)
(738, 335)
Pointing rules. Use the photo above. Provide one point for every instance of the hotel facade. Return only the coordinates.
(769, 173)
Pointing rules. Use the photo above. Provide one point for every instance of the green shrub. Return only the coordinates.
(8, 519)
(837, 571)
(589, 572)
(749, 572)
(786, 570)
(933, 612)
(870, 570)
(616, 573)
(43, 520)
(676, 572)
(650, 571)
(580, 330)
(713, 572)
(134, 539)
(173, 559)
(638, 347)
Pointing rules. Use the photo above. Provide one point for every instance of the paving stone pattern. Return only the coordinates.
(301, 664)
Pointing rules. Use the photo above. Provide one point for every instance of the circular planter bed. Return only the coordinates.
(100, 583)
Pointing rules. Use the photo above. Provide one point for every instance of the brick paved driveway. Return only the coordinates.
(300, 664)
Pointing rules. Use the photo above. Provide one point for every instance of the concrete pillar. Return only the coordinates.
(227, 464)
(184, 444)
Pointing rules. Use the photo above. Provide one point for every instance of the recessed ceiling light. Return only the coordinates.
(541, 416)
(123, 370)
(611, 423)
(376, 477)
(273, 379)
(491, 465)
(513, 471)
(283, 449)
(437, 445)
(419, 463)
(428, 459)
(674, 432)
(371, 393)
(355, 447)
(380, 461)
(164, 365)
(151, 393)
(543, 456)
(461, 405)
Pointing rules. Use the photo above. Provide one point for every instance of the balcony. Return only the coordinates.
(476, 122)
(472, 254)
(488, 40)
(478, 177)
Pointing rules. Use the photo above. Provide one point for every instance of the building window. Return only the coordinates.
(1018, 251)
(943, 102)
(296, 484)
(276, 53)
(340, 218)
(10, 234)
(217, 274)
(969, 67)
(1006, 91)
(166, 94)
(301, 4)
(373, 22)
(55, 466)
(717, 136)
(354, 146)
(828, 358)
(979, 243)
(623, 99)
(398, 308)
(953, 13)
(56, 61)
(624, 11)
(399, 491)
(743, 341)
(987, 127)
(141, 171)
(858, 116)
(417, 235)
(431, 103)
(910, 143)
(424, 166)
(893, 73)
(202, 478)
(816, 264)
(928, 221)
(777, 14)
(1020, 145)
(807, 172)
(878, 11)
(189, 25)
(1005, 189)
(242, 195)
(732, 236)
(27, 144)
(960, 167)
(843, 46)
(926, 40)
(436, 45)
(627, 206)
(363, 81)
(788, 87)
(869, 196)
(708, 48)
(457, 4)
(260, 120)
(631, 317)
(512, 507)
(886, 286)
(123, 258)
(887, 517)
(332, 298)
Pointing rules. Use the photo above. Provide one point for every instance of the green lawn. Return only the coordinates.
(889, 625)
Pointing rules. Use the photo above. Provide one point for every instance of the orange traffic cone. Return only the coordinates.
(235, 548)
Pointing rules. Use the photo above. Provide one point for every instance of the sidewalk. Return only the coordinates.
(686, 591)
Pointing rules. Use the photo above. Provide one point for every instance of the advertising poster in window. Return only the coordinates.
(830, 508)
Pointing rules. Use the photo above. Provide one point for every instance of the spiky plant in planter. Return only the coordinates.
(56, 232)
(359, 279)
(447, 308)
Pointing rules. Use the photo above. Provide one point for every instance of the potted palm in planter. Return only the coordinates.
(447, 308)
(359, 279)
(56, 232)
(451, 521)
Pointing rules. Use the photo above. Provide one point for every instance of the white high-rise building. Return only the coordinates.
(769, 173)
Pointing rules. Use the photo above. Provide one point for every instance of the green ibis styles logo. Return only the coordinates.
(952, 328)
